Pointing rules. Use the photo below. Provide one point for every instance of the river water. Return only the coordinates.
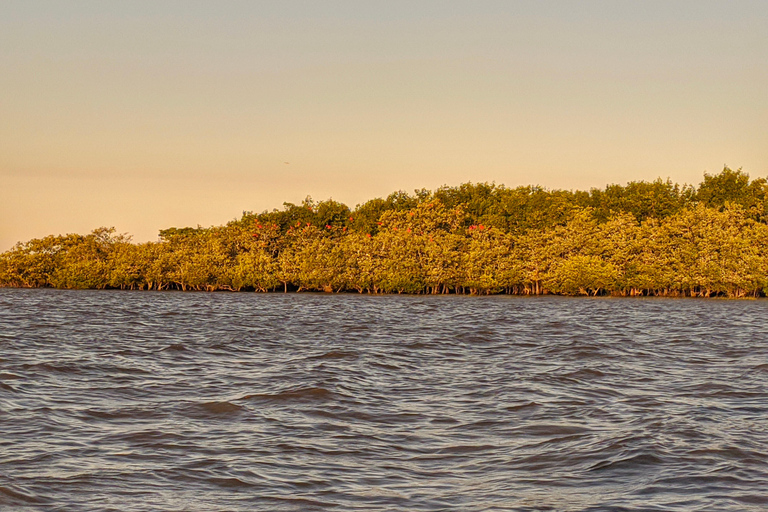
(210, 402)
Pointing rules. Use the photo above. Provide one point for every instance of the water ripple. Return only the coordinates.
(190, 401)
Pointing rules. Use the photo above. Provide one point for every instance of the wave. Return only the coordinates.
(308, 393)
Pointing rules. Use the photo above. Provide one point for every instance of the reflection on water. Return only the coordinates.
(171, 401)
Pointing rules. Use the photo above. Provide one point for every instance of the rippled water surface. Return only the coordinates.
(188, 401)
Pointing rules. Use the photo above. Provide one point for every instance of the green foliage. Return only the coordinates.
(642, 238)
(658, 199)
(734, 188)
(581, 275)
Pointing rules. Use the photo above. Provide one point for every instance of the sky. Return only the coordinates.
(147, 115)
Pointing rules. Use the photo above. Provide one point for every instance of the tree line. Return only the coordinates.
(643, 238)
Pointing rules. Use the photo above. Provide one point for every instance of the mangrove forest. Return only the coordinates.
(643, 238)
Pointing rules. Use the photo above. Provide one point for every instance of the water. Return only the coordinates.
(197, 402)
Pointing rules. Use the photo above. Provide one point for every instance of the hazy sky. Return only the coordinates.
(146, 115)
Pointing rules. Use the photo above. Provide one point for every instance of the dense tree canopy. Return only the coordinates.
(642, 238)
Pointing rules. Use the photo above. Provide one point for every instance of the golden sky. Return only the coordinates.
(146, 115)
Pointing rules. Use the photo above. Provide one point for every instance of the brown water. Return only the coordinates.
(188, 401)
